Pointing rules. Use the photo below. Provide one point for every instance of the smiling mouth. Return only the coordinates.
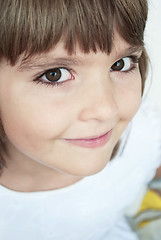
(93, 142)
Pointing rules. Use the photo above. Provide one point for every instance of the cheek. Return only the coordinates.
(34, 120)
(129, 97)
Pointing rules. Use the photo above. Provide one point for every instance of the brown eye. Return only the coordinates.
(122, 65)
(53, 75)
(117, 66)
(57, 75)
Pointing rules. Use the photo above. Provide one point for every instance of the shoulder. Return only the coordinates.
(149, 114)
(146, 126)
(144, 137)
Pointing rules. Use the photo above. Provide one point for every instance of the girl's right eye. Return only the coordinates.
(55, 75)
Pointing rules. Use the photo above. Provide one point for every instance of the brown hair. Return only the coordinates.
(36, 26)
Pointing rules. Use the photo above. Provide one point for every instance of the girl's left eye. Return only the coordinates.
(124, 65)
(56, 75)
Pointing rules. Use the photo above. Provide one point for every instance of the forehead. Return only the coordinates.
(59, 54)
(37, 26)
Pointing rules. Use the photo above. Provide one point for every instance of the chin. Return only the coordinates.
(89, 168)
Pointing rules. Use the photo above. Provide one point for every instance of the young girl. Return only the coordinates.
(71, 78)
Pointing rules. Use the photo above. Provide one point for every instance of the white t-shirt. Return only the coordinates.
(93, 208)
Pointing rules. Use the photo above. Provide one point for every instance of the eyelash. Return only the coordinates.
(134, 58)
(134, 61)
(38, 79)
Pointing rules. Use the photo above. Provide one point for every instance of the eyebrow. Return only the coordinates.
(47, 63)
(130, 51)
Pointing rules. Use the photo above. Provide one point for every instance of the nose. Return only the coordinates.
(99, 100)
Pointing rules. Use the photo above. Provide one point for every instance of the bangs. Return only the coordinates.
(36, 26)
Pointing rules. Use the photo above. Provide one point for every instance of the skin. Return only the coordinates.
(38, 118)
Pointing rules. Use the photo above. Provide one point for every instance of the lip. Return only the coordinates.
(91, 142)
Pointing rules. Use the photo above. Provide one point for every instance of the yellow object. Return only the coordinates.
(151, 201)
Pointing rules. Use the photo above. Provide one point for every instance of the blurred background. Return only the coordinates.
(153, 46)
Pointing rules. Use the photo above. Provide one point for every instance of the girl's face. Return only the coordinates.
(67, 112)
